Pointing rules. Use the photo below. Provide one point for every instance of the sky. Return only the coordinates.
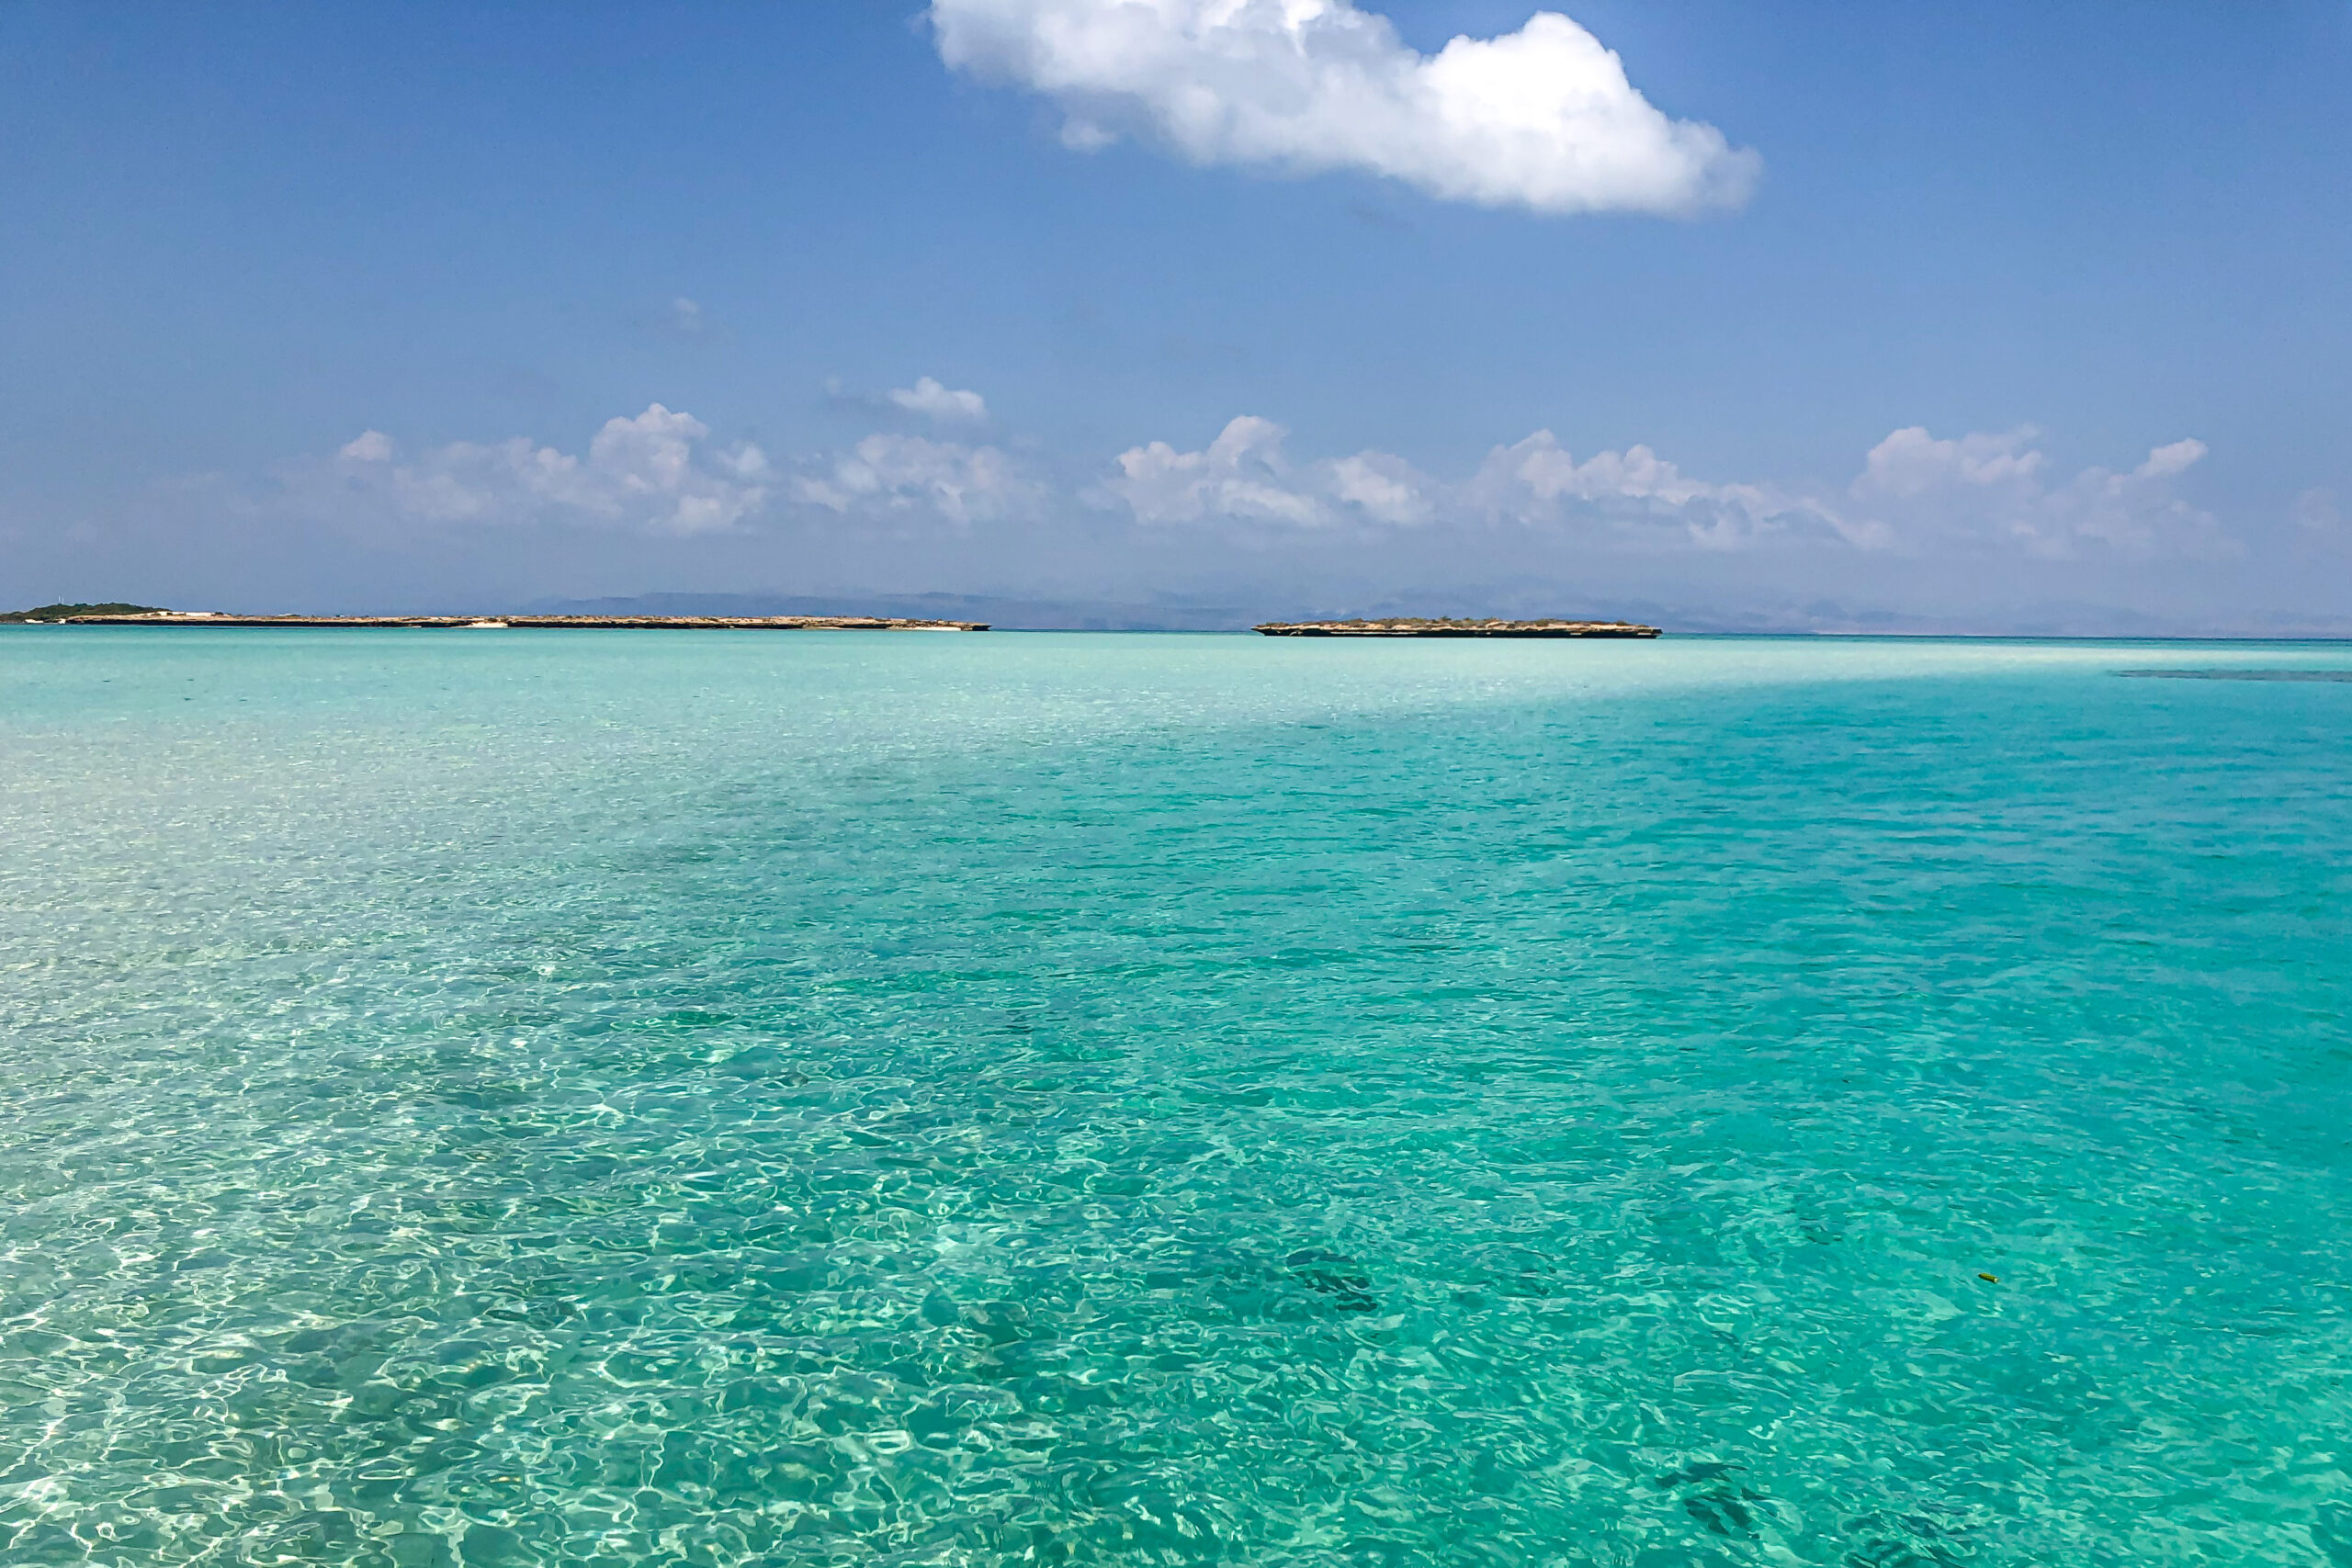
(1941, 317)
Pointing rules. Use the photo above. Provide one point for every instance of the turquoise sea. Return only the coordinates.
(726, 1098)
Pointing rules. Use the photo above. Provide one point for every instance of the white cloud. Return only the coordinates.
(1988, 489)
(1244, 476)
(1384, 487)
(1641, 497)
(1915, 495)
(686, 317)
(1985, 495)
(2178, 457)
(929, 397)
(1543, 119)
(900, 474)
(653, 473)
(1910, 462)
(1241, 475)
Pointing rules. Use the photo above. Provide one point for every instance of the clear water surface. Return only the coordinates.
(717, 1099)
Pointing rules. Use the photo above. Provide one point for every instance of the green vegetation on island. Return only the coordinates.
(61, 611)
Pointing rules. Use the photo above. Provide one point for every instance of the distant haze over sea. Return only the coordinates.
(1014, 613)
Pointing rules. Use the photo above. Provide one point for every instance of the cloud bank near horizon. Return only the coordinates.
(1543, 119)
(1971, 530)
(654, 474)
(1915, 495)
(1984, 495)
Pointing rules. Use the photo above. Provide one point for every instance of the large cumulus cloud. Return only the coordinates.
(1543, 119)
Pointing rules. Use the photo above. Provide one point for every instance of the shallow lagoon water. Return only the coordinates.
(719, 1099)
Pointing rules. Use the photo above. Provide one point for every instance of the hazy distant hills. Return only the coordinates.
(1103, 615)
(2045, 619)
(1010, 614)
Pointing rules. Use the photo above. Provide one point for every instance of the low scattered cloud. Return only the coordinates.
(1985, 495)
(656, 473)
(930, 398)
(660, 473)
(1542, 118)
(1244, 476)
(1384, 487)
(1916, 494)
(1910, 462)
(899, 476)
(1241, 475)
(1988, 491)
(1642, 499)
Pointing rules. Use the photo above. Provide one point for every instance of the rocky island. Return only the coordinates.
(109, 617)
(44, 615)
(1419, 625)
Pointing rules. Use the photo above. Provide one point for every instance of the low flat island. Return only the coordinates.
(1415, 626)
(535, 622)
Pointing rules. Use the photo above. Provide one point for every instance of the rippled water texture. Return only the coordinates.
(722, 1098)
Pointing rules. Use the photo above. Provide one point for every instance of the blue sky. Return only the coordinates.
(1979, 309)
